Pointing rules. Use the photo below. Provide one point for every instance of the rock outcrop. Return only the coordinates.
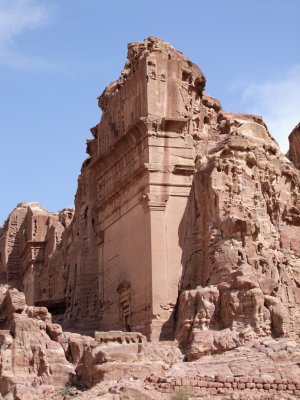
(244, 269)
(186, 228)
(38, 359)
(28, 357)
(294, 150)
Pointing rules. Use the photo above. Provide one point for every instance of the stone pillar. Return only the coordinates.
(158, 279)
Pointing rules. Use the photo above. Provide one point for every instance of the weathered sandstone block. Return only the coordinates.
(26, 351)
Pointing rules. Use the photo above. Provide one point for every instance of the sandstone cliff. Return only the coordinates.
(186, 227)
(244, 268)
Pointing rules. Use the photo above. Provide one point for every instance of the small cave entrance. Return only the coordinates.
(55, 307)
(124, 290)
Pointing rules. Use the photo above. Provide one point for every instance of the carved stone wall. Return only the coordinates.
(143, 171)
(10, 238)
(186, 219)
(27, 240)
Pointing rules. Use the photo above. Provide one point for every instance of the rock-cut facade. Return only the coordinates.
(186, 221)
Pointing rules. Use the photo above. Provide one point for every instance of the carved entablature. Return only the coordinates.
(184, 169)
(152, 202)
(121, 147)
(144, 142)
(116, 179)
(122, 201)
(121, 164)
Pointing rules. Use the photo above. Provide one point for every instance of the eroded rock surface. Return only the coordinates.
(28, 357)
(186, 229)
(38, 360)
(244, 269)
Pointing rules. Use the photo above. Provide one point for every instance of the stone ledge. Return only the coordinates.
(220, 384)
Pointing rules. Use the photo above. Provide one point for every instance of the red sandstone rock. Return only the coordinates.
(186, 226)
(238, 214)
(294, 150)
(26, 351)
(28, 238)
(245, 257)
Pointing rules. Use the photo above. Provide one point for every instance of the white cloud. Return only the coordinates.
(278, 102)
(17, 17)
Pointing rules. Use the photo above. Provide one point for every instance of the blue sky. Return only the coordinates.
(57, 56)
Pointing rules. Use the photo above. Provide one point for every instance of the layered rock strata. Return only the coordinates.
(186, 219)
